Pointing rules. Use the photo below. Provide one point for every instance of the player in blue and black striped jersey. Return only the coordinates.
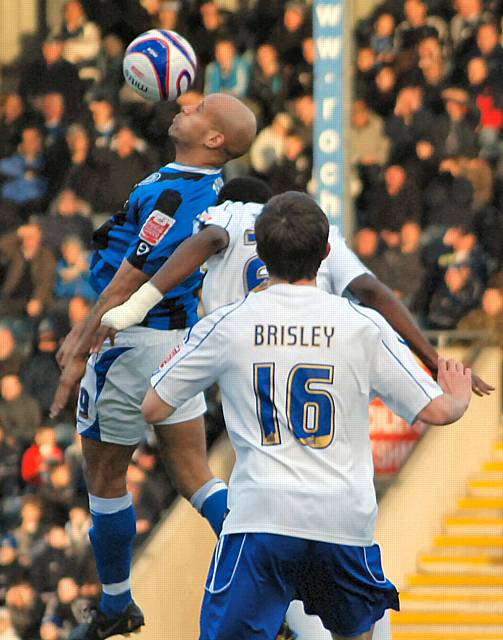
(158, 216)
(131, 247)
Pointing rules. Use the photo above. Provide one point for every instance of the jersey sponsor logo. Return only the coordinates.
(138, 73)
(173, 353)
(143, 249)
(153, 177)
(205, 217)
(156, 227)
(217, 185)
(249, 237)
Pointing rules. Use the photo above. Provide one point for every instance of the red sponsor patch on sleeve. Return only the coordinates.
(156, 227)
(173, 353)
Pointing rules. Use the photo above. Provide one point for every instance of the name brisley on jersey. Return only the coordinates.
(272, 335)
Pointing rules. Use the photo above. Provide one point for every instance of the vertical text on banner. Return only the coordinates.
(328, 30)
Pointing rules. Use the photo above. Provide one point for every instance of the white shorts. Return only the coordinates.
(116, 381)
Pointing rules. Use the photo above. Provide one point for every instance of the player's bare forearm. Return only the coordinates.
(126, 281)
(373, 293)
(188, 257)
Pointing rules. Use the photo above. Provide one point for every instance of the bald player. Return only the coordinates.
(132, 246)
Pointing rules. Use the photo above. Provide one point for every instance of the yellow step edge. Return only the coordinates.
(420, 579)
(494, 465)
(446, 635)
(462, 559)
(445, 617)
(469, 541)
(449, 597)
(498, 446)
(481, 503)
(469, 520)
(480, 484)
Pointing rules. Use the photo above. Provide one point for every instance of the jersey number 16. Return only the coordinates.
(310, 413)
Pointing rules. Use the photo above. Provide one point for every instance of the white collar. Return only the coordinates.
(188, 167)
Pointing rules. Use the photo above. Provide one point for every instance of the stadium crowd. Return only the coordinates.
(426, 176)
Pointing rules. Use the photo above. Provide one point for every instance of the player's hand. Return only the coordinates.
(68, 380)
(455, 380)
(480, 387)
(70, 342)
(101, 335)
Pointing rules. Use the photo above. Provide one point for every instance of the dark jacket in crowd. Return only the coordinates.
(387, 211)
(448, 201)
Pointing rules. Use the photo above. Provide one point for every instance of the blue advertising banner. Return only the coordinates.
(328, 31)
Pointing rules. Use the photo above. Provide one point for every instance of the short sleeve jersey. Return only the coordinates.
(236, 270)
(158, 216)
(296, 368)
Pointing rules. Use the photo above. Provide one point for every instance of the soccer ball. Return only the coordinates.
(159, 65)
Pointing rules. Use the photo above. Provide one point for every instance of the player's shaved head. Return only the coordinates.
(215, 130)
(234, 120)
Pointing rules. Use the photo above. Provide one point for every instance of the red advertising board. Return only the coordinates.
(392, 438)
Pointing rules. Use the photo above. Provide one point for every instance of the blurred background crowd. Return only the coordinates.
(426, 178)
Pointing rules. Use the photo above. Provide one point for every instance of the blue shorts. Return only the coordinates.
(254, 576)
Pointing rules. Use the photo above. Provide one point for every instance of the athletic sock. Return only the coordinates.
(112, 534)
(211, 502)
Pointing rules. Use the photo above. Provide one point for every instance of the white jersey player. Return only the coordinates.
(296, 368)
(237, 270)
(233, 270)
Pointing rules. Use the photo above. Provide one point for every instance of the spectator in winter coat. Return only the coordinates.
(269, 145)
(409, 123)
(489, 317)
(449, 197)
(11, 571)
(454, 132)
(29, 280)
(13, 119)
(9, 465)
(37, 460)
(392, 204)
(22, 173)
(124, 164)
(41, 372)
(267, 84)
(64, 610)
(81, 39)
(11, 360)
(229, 73)
(30, 532)
(26, 610)
(52, 74)
(67, 220)
(19, 412)
(458, 294)
(52, 561)
(82, 176)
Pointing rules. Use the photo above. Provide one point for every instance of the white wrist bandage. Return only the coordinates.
(133, 310)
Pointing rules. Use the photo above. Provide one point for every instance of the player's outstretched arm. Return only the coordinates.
(376, 295)
(188, 257)
(456, 383)
(127, 280)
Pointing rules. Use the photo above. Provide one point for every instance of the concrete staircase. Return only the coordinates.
(457, 591)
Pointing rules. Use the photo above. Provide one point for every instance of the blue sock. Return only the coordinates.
(211, 502)
(112, 534)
